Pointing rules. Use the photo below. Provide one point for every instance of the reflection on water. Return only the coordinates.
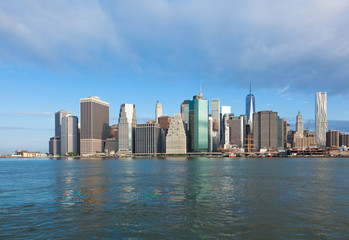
(175, 198)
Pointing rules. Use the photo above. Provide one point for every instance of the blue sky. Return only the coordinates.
(52, 53)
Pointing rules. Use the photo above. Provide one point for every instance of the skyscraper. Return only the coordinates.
(158, 111)
(94, 114)
(69, 134)
(198, 123)
(321, 118)
(176, 140)
(185, 112)
(265, 130)
(216, 123)
(148, 138)
(127, 123)
(299, 124)
(58, 121)
(250, 107)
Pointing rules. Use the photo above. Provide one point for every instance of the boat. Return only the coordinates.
(269, 155)
(232, 155)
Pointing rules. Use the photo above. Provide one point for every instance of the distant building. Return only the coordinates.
(176, 140)
(250, 107)
(148, 138)
(225, 110)
(164, 122)
(265, 130)
(158, 111)
(69, 133)
(55, 146)
(343, 139)
(299, 124)
(216, 124)
(282, 135)
(321, 118)
(111, 145)
(198, 123)
(113, 131)
(332, 138)
(127, 123)
(58, 121)
(237, 129)
(94, 130)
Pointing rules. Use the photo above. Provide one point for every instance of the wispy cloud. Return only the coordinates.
(271, 42)
(282, 90)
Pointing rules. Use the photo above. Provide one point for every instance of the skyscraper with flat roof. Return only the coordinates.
(127, 123)
(94, 114)
(216, 123)
(321, 118)
(176, 140)
(69, 134)
(265, 130)
(58, 121)
(198, 123)
(158, 111)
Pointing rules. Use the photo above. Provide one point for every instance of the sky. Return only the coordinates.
(53, 53)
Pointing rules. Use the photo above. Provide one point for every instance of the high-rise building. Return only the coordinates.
(282, 137)
(94, 114)
(176, 139)
(343, 139)
(265, 130)
(299, 124)
(69, 134)
(113, 131)
(250, 107)
(127, 122)
(185, 113)
(58, 121)
(148, 138)
(111, 145)
(321, 118)
(225, 110)
(198, 123)
(55, 146)
(216, 124)
(164, 122)
(237, 129)
(158, 111)
(332, 138)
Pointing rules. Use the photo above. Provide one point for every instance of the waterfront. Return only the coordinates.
(281, 198)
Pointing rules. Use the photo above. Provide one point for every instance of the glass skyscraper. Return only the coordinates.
(198, 123)
(127, 122)
(250, 107)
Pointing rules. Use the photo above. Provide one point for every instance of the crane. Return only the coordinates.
(308, 124)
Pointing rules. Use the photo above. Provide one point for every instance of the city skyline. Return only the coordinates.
(164, 52)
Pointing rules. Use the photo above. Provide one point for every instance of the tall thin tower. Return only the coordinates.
(158, 111)
(250, 106)
(321, 118)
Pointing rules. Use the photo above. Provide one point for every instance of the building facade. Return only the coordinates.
(343, 139)
(198, 123)
(321, 118)
(216, 124)
(158, 111)
(332, 138)
(127, 123)
(94, 127)
(69, 135)
(176, 139)
(55, 146)
(250, 107)
(265, 130)
(148, 138)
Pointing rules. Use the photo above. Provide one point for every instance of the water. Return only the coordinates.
(206, 198)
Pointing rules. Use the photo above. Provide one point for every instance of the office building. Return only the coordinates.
(55, 146)
(148, 138)
(250, 107)
(58, 121)
(127, 123)
(69, 135)
(265, 130)
(198, 123)
(321, 118)
(158, 111)
(343, 139)
(164, 122)
(282, 137)
(332, 138)
(216, 124)
(113, 131)
(299, 124)
(237, 129)
(94, 114)
(185, 113)
(111, 145)
(176, 139)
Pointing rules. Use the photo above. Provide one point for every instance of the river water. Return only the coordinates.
(174, 198)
